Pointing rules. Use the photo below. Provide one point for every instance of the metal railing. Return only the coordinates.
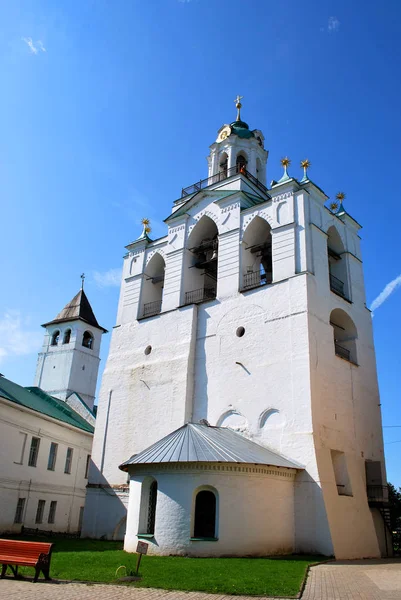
(152, 308)
(377, 493)
(342, 352)
(337, 286)
(204, 183)
(253, 279)
(201, 295)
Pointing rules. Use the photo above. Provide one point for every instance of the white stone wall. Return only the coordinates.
(280, 384)
(18, 480)
(255, 510)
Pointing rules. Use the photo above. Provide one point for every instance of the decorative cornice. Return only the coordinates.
(229, 468)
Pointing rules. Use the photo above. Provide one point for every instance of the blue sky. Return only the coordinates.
(108, 109)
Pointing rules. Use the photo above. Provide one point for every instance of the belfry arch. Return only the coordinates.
(256, 255)
(337, 262)
(201, 263)
(152, 286)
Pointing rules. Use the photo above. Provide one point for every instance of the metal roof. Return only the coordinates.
(202, 443)
(78, 308)
(36, 399)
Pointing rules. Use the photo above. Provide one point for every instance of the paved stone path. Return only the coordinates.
(341, 580)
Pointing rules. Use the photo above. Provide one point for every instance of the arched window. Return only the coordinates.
(337, 263)
(241, 163)
(87, 340)
(67, 336)
(152, 286)
(147, 515)
(55, 338)
(205, 515)
(345, 335)
(223, 165)
(256, 255)
(200, 283)
(150, 526)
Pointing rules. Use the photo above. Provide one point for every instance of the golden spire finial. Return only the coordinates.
(333, 206)
(146, 225)
(238, 106)
(305, 164)
(340, 196)
(285, 162)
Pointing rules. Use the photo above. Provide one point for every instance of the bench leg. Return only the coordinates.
(46, 573)
(3, 571)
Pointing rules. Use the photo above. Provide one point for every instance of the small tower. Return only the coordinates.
(237, 149)
(69, 360)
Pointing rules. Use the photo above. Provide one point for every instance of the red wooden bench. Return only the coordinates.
(27, 554)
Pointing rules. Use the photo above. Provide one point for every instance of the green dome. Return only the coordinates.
(241, 129)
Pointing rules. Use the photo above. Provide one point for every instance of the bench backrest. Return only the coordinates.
(23, 549)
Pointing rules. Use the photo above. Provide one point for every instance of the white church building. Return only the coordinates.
(239, 411)
(46, 431)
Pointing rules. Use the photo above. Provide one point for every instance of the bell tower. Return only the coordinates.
(69, 359)
(237, 149)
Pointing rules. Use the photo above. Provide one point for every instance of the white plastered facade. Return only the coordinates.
(18, 425)
(281, 384)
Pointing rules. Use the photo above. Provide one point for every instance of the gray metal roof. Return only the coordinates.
(79, 308)
(202, 443)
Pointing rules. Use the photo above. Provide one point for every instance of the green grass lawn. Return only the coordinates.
(95, 560)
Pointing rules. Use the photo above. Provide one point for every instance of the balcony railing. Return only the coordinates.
(342, 352)
(204, 183)
(253, 279)
(152, 308)
(201, 295)
(337, 286)
(377, 493)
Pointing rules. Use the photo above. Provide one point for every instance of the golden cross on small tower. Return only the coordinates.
(83, 279)
(238, 106)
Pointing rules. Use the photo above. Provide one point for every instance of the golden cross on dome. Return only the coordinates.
(238, 106)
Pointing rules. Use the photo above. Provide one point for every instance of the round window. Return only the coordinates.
(148, 350)
(240, 331)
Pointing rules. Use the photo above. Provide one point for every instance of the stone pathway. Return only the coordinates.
(341, 580)
(355, 580)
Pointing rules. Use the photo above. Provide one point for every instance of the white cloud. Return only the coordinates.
(15, 337)
(333, 24)
(110, 278)
(32, 48)
(388, 290)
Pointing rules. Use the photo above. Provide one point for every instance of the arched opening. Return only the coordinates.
(152, 286)
(337, 263)
(67, 336)
(87, 340)
(205, 514)
(241, 163)
(233, 420)
(345, 335)
(256, 255)
(223, 165)
(147, 517)
(200, 283)
(55, 338)
(258, 169)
